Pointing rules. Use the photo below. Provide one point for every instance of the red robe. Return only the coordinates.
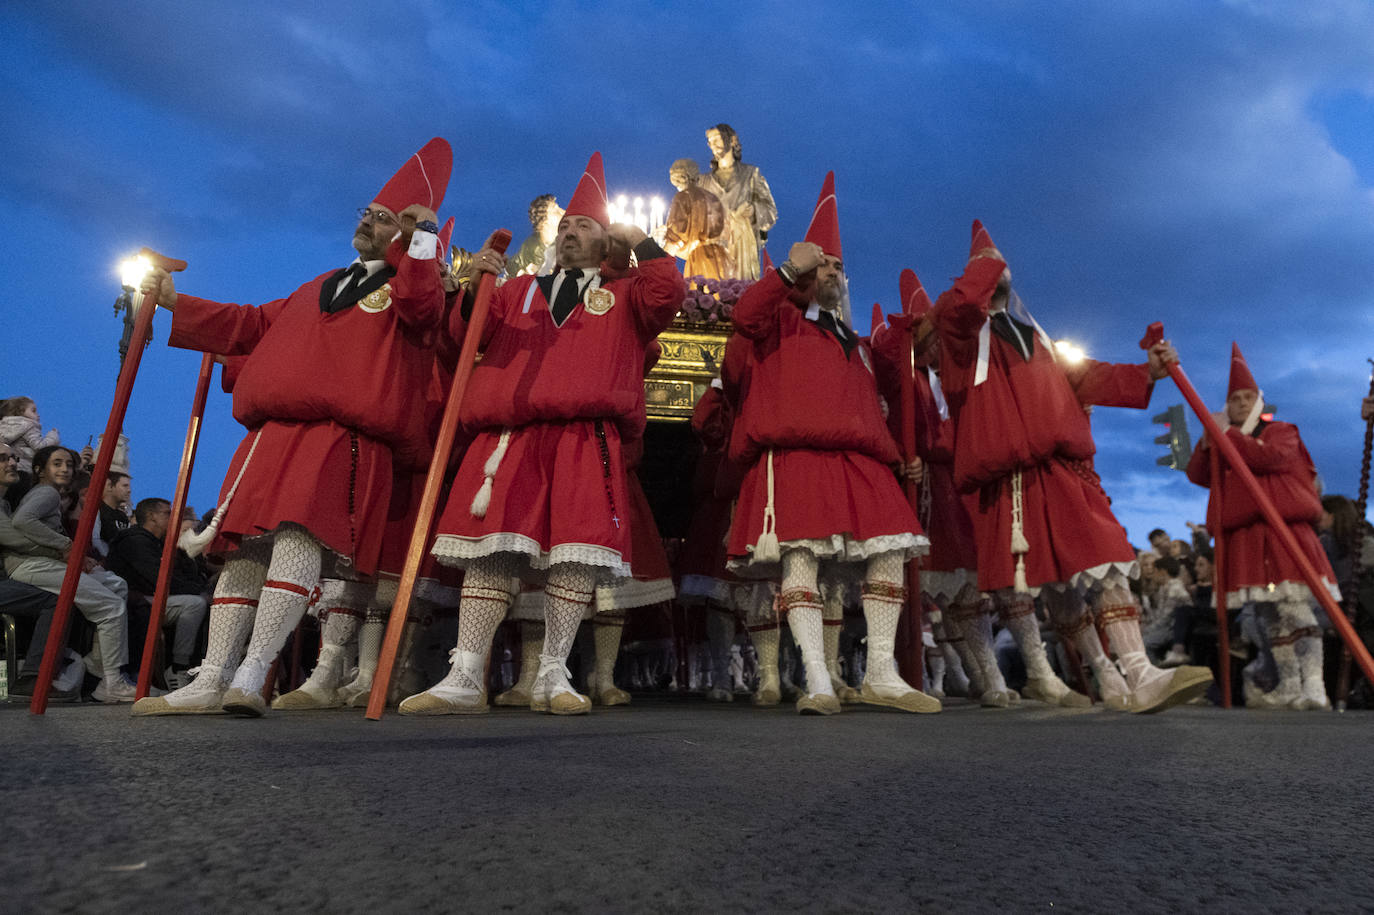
(566, 397)
(952, 561)
(1029, 416)
(811, 413)
(1275, 454)
(329, 399)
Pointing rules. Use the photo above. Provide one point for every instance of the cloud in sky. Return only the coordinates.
(1207, 165)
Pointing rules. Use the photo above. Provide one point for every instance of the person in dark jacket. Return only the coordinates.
(136, 555)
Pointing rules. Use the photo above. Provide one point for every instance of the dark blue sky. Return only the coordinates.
(1209, 165)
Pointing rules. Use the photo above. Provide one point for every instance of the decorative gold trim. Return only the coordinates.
(692, 354)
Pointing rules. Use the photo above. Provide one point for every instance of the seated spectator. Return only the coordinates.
(18, 599)
(136, 556)
(36, 552)
(21, 429)
(113, 515)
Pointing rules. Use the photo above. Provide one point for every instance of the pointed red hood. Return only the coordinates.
(590, 197)
(423, 179)
(982, 245)
(1241, 379)
(915, 302)
(825, 220)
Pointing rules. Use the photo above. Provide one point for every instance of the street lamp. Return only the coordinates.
(131, 273)
(1069, 352)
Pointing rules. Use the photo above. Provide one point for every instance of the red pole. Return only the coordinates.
(912, 664)
(1219, 585)
(169, 542)
(424, 520)
(124, 388)
(1232, 457)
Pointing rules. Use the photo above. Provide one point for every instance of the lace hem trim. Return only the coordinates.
(631, 593)
(458, 551)
(948, 584)
(835, 549)
(1278, 591)
(1102, 574)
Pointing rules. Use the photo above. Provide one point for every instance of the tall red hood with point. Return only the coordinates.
(590, 197)
(825, 220)
(982, 245)
(423, 179)
(915, 301)
(1241, 379)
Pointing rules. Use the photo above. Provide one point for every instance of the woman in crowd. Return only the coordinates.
(36, 551)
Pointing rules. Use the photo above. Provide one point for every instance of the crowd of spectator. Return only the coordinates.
(43, 488)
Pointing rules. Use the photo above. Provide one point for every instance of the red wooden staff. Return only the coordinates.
(912, 663)
(424, 520)
(169, 540)
(1219, 583)
(1287, 542)
(1352, 601)
(57, 632)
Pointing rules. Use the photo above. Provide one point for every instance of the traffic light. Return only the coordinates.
(1180, 444)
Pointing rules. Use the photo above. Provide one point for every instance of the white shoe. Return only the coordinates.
(1163, 689)
(1175, 657)
(1053, 691)
(553, 693)
(1116, 695)
(884, 686)
(202, 696)
(459, 693)
(116, 689)
(719, 694)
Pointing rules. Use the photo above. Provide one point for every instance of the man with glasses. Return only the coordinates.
(332, 393)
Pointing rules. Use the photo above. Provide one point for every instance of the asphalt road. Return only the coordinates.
(680, 806)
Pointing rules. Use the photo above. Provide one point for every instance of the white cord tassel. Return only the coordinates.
(1019, 545)
(767, 549)
(482, 501)
(194, 544)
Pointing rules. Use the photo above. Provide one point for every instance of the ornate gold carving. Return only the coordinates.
(692, 354)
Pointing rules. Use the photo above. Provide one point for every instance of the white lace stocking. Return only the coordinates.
(801, 604)
(293, 576)
(1017, 612)
(607, 630)
(486, 596)
(567, 595)
(234, 606)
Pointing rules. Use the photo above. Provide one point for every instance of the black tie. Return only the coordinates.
(835, 327)
(567, 297)
(352, 277)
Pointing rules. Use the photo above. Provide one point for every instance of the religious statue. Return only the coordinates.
(534, 251)
(748, 201)
(695, 228)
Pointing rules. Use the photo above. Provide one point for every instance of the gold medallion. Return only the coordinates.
(599, 301)
(376, 301)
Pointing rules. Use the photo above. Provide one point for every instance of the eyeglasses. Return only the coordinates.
(377, 216)
(10, 458)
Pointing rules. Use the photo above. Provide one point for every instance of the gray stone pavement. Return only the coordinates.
(674, 805)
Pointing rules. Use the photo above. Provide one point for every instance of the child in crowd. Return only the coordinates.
(21, 429)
